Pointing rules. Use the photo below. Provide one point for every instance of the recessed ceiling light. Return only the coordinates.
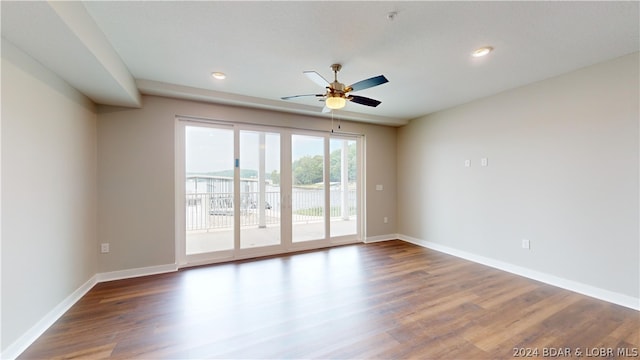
(482, 51)
(219, 75)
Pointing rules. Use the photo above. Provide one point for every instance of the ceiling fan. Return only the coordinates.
(337, 93)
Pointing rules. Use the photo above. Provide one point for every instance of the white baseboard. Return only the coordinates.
(372, 239)
(20, 345)
(133, 273)
(584, 289)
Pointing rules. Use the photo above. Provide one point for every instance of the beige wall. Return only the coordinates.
(136, 175)
(48, 192)
(563, 173)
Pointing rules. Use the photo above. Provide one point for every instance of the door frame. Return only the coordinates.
(286, 245)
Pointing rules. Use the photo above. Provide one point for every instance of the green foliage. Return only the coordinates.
(248, 174)
(307, 170)
(336, 165)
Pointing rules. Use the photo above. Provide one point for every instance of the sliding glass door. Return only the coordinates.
(209, 203)
(251, 191)
(260, 195)
(308, 191)
(344, 184)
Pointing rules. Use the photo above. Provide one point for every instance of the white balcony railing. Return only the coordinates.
(210, 211)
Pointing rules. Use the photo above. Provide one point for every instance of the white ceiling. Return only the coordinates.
(171, 48)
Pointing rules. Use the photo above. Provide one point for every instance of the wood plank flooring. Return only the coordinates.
(390, 300)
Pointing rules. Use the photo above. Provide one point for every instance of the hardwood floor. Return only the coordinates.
(390, 300)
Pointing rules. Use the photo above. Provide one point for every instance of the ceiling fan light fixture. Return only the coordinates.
(335, 102)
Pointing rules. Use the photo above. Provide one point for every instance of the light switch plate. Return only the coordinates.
(379, 187)
(484, 162)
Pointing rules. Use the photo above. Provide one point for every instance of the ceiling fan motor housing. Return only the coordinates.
(336, 89)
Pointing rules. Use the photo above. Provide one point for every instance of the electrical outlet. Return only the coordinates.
(386, 220)
(104, 248)
(526, 244)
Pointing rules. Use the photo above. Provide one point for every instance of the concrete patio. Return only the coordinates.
(203, 241)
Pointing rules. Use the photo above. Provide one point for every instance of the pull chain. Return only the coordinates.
(339, 122)
(332, 121)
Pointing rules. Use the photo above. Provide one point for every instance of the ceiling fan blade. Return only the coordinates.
(364, 100)
(370, 82)
(297, 96)
(316, 78)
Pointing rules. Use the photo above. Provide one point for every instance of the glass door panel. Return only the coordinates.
(209, 175)
(343, 177)
(308, 190)
(259, 189)
(252, 191)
